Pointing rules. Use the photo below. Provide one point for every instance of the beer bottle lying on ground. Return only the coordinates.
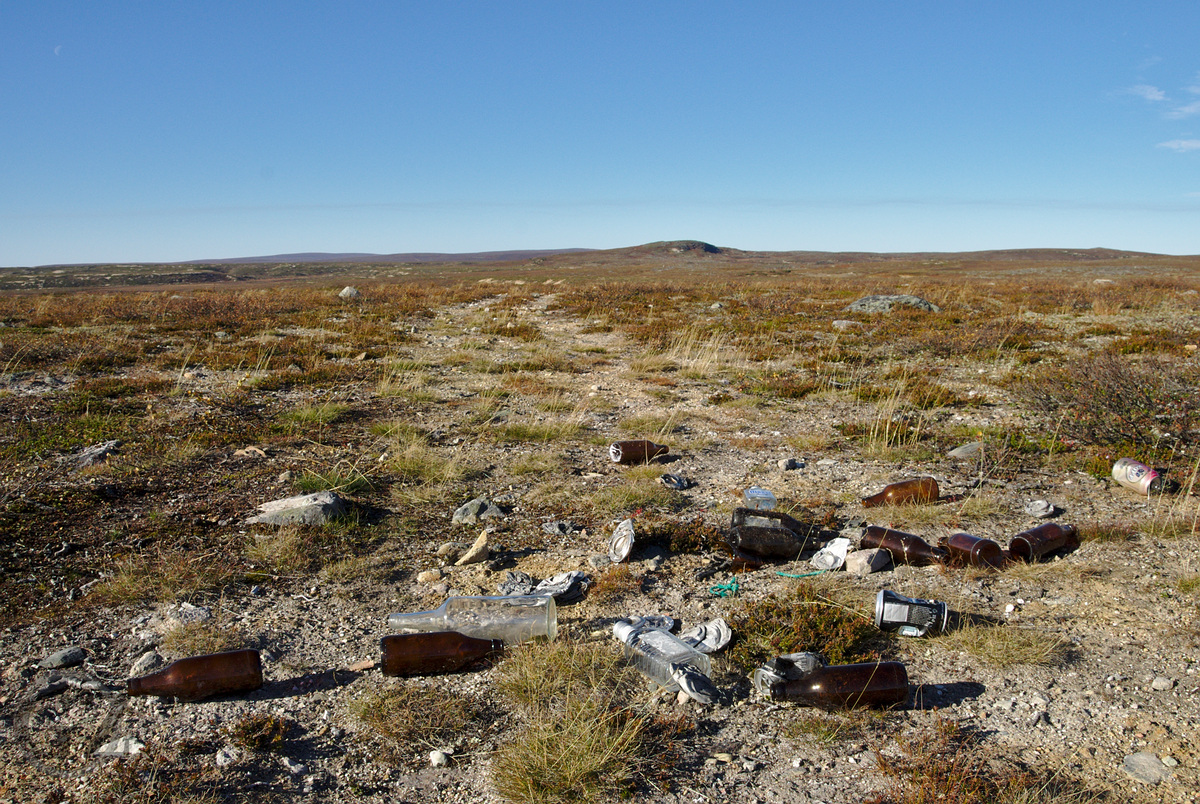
(847, 686)
(917, 490)
(199, 677)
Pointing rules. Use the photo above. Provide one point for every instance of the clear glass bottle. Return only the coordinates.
(433, 652)
(904, 547)
(514, 619)
(199, 677)
(976, 551)
(1032, 544)
(847, 686)
(653, 652)
(634, 452)
(917, 490)
(759, 499)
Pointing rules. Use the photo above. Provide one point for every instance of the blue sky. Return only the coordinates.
(174, 130)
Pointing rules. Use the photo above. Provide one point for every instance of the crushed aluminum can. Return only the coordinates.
(833, 555)
(621, 543)
(709, 637)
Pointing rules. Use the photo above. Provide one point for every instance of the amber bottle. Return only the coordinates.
(847, 686)
(966, 549)
(199, 677)
(917, 490)
(769, 534)
(904, 547)
(1032, 544)
(633, 452)
(433, 652)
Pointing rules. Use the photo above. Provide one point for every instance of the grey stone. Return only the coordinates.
(429, 576)
(226, 756)
(1145, 767)
(885, 303)
(56, 686)
(293, 767)
(187, 614)
(600, 561)
(304, 509)
(349, 292)
(120, 747)
(844, 324)
(67, 657)
(477, 509)
(145, 663)
(450, 550)
(1162, 684)
(861, 563)
(97, 453)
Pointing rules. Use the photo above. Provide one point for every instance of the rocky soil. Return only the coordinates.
(1119, 711)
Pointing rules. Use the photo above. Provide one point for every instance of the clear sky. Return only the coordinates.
(168, 130)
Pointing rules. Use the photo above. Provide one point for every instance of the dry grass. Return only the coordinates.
(1007, 645)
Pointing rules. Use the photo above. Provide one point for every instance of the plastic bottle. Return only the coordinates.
(199, 677)
(433, 652)
(653, 652)
(513, 619)
(1032, 544)
(1139, 477)
(904, 547)
(631, 452)
(974, 550)
(917, 490)
(847, 686)
(767, 533)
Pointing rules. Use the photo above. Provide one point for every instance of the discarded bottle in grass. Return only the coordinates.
(433, 652)
(654, 652)
(847, 686)
(1032, 544)
(909, 616)
(917, 490)
(767, 533)
(978, 552)
(759, 499)
(640, 451)
(904, 547)
(513, 620)
(1139, 477)
(788, 667)
(199, 677)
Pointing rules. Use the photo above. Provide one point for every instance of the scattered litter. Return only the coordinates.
(972, 450)
(1040, 509)
(621, 543)
(727, 589)
(636, 452)
(759, 499)
(832, 556)
(909, 616)
(565, 587)
(677, 482)
(767, 534)
(1043, 540)
(514, 619)
(1139, 477)
(920, 490)
(698, 686)
(787, 667)
(662, 657)
(709, 637)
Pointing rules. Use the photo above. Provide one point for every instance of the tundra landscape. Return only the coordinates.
(150, 410)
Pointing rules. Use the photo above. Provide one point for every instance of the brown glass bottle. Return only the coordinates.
(769, 534)
(1032, 544)
(433, 652)
(917, 490)
(199, 677)
(847, 686)
(633, 452)
(904, 547)
(964, 549)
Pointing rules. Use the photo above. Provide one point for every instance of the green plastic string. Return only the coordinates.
(805, 575)
(727, 589)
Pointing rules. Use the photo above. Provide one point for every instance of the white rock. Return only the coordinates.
(121, 747)
(478, 552)
(439, 759)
